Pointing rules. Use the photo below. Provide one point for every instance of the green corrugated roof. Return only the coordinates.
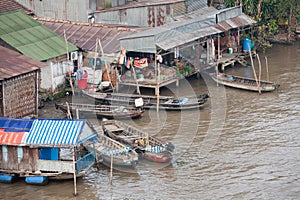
(30, 37)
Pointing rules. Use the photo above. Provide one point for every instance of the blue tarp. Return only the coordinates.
(55, 132)
(15, 125)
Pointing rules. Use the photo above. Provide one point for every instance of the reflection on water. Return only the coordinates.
(254, 153)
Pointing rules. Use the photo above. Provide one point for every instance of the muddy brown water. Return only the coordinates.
(240, 145)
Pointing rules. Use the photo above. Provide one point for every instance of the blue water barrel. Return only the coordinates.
(247, 46)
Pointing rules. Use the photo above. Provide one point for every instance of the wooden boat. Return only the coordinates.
(165, 102)
(100, 111)
(244, 83)
(43, 149)
(149, 147)
(107, 149)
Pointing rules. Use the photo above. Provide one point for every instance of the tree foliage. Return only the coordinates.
(270, 14)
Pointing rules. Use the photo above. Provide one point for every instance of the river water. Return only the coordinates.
(240, 145)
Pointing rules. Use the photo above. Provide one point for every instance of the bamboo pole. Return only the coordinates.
(158, 92)
(72, 87)
(67, 49)
(77, 114)
(111, 169)
(69, 116)
(267, 66)
(259, 71)
(95, 57)
(253, 69)
(74, 168)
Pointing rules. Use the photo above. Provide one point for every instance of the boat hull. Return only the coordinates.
(150, 102)
(245, 83)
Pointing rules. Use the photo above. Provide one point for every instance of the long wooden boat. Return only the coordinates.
(244, 83)
(149, 101)
(108, 150)
(102, 111)
(149, 147)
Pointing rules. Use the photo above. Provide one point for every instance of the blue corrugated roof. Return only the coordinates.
(55, 132)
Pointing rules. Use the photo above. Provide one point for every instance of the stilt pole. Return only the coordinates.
(74, 168)
(267, 66)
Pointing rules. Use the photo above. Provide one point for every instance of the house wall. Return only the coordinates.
(59, 70)
(53, 75)
(150, 16)
(19, 96)
(18, 158)
(73, 10)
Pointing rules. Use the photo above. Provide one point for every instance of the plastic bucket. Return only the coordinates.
(82, 84)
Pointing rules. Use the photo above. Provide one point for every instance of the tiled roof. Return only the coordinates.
(30, 37)
(13, 63)
(10, 5)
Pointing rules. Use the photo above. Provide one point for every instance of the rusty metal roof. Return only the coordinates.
(10, 5)
(13, 64)
(84, 35)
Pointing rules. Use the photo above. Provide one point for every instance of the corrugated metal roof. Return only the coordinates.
(239, 21)
(84, 35)
(42, 132)
(10, 5)
(141, 4)
(55, 132)
(13, 64)
(30, 37)
(11, 138)
(185, 30)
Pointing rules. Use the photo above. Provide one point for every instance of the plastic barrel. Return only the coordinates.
(247, 45)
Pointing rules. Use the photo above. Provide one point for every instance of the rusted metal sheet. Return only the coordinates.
(75, 10)
(84, 35)
(14, 64)
(10, 5)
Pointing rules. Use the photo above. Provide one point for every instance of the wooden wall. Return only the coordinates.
(24, 159)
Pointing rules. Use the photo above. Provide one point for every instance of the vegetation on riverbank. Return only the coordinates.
(274, 18)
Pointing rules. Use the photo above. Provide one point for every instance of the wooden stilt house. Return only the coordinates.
(43, 149)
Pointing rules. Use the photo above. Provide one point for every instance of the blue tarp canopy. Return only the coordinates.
(55, 132)
(15, 125)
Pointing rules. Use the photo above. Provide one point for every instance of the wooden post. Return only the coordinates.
(253, 69)
(74, 168)
(136, 81)
(267, 66)
(219, 49)
(111, 169)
